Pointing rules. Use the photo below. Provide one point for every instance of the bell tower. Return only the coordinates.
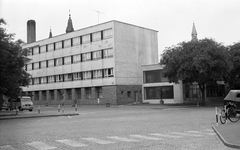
(194, 33)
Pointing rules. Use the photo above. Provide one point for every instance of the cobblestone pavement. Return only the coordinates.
(130, 128)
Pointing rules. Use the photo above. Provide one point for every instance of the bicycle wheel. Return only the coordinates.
(223, 117)
(233, 115)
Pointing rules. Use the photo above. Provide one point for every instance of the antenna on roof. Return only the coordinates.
(98, 14)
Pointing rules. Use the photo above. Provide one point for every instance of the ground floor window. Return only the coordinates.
(166, 92)
(88, 93)
(78, 93)
(98, 92)
(192, 91)
(216, 91)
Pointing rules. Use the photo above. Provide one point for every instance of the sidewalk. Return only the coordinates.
(51, 111)
(229, 133)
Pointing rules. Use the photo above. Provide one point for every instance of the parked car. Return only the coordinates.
(22, 103)
(233, 97)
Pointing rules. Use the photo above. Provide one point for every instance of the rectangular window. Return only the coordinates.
(87, 75)
(78, 93)
(77, 76)
(58, 61)
(59, 78)
(67, 43)
(166, 92)
(88, 93)
(108, 72)
(76, 41)
(35, 50)
(36, 80)
(96, 36)
(86, 56)
(108, 53)
(128, 94)
(215, 91)
(51, 63)
(67, 60)
(43, 80)
(58, 45)
(97, 55)
(51, 79)
(154, 76)
(29, 66)
(97, 74)
(50, 47)
(68, 77)
(76, 58)
(43, 64)
(107, 33)
(43, 49)
(98, 92)
(86, 38)
(36, 65)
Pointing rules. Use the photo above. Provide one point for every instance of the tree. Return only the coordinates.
(12, 62)
(203, 62)
(234, 75)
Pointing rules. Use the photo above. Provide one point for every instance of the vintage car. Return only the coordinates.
(233, 97)
(21, 103)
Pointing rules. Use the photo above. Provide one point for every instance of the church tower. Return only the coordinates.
(194, 33)
(69, 25)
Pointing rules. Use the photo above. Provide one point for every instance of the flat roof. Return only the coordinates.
(87, 28)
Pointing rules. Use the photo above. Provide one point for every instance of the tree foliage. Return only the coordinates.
(234, 76)
(12, 62)
(204, 62)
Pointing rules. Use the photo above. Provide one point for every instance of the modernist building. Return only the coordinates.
(156, 87)
(98, 62)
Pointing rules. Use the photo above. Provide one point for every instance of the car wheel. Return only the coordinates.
(30, 110)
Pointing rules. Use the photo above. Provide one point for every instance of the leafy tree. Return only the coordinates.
(234, 76)
(12, 62)
(203, 62)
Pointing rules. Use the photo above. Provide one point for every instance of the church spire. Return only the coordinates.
(69, 25)
(194, 33)
(50, 33)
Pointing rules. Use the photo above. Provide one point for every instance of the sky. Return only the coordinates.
(173, 19)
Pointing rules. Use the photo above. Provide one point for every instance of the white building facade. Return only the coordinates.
(156, 87)
(98, 62)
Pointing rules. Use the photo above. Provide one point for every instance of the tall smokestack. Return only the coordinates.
(31, 31)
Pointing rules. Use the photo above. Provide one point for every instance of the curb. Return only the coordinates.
(224, 141)
(37, 116)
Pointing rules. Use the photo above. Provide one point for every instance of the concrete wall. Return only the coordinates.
(134, 46)
(135, 94)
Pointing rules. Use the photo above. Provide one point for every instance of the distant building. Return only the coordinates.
(98, 62)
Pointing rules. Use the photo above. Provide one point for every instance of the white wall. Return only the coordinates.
(134, 46)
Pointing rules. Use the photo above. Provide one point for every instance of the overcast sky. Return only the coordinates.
(173, 19)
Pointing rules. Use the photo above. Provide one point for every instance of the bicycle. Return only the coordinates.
(230, 112)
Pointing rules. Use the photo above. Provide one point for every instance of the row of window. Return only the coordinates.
(72, 42)
(100, 54)
(86, 75)
(68, 96)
